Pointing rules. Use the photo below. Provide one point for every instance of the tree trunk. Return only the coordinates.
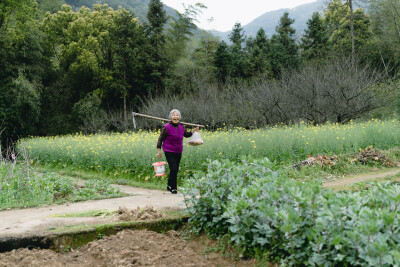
(125, 93)
(125, 117)
(352, 33)
(393, 9)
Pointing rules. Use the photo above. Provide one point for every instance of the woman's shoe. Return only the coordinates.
(169, 188)
(173, 191)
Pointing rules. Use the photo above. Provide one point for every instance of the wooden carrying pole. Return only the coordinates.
(160, 119)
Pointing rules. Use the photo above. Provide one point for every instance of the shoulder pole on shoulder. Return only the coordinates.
(161, 119)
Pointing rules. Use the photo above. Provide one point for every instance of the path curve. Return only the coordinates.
(337, 184)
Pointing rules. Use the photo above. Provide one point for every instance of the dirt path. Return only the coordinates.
(37, 221)
(346, 181)
(126, 248)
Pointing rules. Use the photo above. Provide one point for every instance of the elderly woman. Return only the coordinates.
(171, 141)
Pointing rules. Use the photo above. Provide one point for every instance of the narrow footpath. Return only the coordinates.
(352, 179)
(38, 221)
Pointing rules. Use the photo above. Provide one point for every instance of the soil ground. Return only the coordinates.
(126, 248)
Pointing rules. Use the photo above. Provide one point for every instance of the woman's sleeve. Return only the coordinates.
(162, 136)
(187, 133)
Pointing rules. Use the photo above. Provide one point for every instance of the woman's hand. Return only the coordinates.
(159, 155)
(195, 129)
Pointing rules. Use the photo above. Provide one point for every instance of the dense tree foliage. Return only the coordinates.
(315, 40)
(157, 19)
(337, 16)
(67, 68)
(258, 48)
(24, 67)
(385, 23)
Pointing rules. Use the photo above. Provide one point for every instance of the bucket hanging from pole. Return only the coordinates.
(159, 168)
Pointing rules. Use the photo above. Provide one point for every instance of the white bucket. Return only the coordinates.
(159, 168)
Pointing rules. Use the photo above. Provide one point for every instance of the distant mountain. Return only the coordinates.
(269, 20)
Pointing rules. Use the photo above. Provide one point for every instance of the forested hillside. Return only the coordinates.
(138, 7)
(86, 69)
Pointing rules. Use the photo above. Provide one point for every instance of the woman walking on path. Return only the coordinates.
(171, 141)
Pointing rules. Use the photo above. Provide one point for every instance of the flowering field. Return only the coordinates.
(133, 153)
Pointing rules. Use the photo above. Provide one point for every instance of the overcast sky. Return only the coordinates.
(225, 13)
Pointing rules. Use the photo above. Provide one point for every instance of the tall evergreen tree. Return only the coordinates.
(237, 36)
(258, 51)
(157, 18)
(239, 60)
(315, 40)
(222, 62)
(284, 52)
(286, 35)
(129, 57)
(276, 55)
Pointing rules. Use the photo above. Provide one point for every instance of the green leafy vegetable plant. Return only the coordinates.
(270, 216)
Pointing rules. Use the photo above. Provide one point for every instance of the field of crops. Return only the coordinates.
(133, 153)
(253, 205)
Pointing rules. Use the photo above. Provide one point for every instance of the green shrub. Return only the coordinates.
(21, 186)
(63, 185)
(268, 215)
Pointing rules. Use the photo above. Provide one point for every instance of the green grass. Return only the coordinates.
(21, 186)
(395, 177)
(169, 220)
(89, 213)
(87, 175)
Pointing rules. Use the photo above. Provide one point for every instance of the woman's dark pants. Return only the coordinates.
(173, 160)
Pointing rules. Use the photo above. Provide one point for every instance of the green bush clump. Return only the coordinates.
(22, 186)
(270, 216)
(63, 185)
(95, 189)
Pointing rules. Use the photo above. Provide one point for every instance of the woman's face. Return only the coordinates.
(175, 117)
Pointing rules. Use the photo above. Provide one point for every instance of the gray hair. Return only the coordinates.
(172, 112)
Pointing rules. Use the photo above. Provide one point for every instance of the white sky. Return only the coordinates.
(226, 13)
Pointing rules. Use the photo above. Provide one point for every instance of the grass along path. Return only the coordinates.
(379, 175)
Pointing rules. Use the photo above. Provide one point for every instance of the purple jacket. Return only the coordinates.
(173, 140)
